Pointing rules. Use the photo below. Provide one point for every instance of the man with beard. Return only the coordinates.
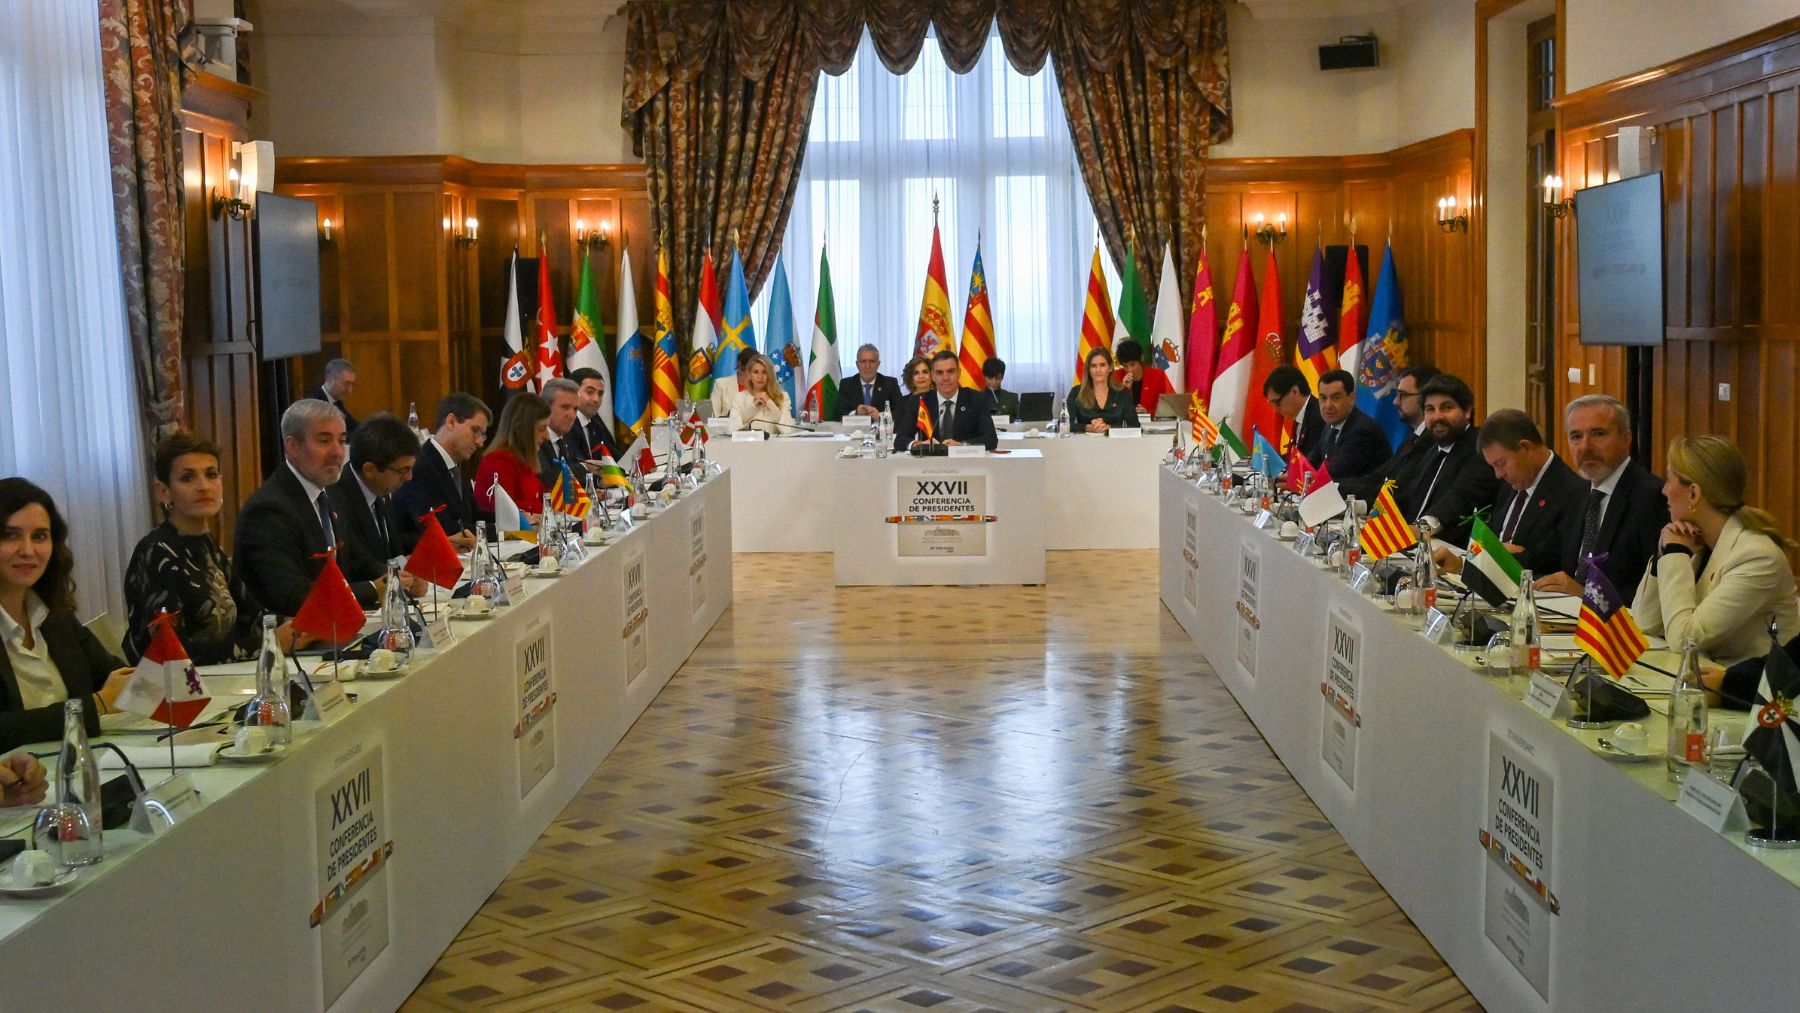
(1624, 510)
(1449, 480)
(1365, 486)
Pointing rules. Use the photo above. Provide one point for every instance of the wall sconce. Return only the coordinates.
(1266, 232)
(471, 231)
(325, 236)
(1447, 218)
(232, 202)
(1556, 205)
(590, 238)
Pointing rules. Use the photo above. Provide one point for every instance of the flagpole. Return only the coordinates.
(168, 697)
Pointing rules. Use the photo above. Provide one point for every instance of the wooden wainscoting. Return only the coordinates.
(1727, 125)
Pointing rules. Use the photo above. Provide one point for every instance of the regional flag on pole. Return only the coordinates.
(1270, 352)
(737, 335)
(779, 329)
(567, 496)
(1165, 333)
(706, 334)
(1383, 354)
(548, 350)
(1772, 738)
(665, 369)
(934, 305)
(822, 366)
(1205, 430)
(924, 421)
(977, 345)
(1133, 320)
(434, 558)
(1316, 352)
(164, 664)
(1203, 331)
(1096, 316)
(1490, 571)
(611, 475)
(1351, 318)
(1236, 348)
(1387, 532)
(631, 370)
(587, 346)
(1231, 441)
(1605, 629)
(515, 369)
(330, 611)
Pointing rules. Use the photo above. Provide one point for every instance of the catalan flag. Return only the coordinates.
(1096, 316)
(977, 345)
(1205, 430)
(1605, 629)
(925, 420)
(665, 354)
(1387, 532)
(568, 497)
(934, 306)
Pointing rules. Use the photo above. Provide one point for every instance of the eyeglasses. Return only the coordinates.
(404, 473)
(1405, 393)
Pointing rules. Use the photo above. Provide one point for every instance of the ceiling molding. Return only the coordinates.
(1296, 10)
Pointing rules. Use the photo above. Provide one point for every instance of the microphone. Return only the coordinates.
(799, 428)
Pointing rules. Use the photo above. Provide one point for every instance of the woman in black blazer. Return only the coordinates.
(49, 657)
(1101, 402)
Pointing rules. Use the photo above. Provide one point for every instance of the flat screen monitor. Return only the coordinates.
(1619, 261)
(287, 275)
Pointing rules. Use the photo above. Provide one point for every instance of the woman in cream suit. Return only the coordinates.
(761, 403)
(1721, 571)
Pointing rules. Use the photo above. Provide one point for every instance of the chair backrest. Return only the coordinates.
(1036, 406)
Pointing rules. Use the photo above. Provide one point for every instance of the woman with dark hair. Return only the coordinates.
(49, 656)
(181, 569)
(916, 377)
(511, 460)
(1102, 401)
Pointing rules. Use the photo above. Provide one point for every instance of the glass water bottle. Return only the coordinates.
(1687, 717)
(269, 707)
(1523, 634)
(78, 816)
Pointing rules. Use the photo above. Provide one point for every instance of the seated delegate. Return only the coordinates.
(511, 463)
(957, 415)
(49, 656)
(760, 403)
(1101, 402)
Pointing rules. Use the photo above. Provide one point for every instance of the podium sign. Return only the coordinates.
(942, 514)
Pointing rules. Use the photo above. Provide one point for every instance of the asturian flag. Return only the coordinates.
(165, 663)
(822, 368)
(1166, 333)
(737, 335)
(631, 373)
(707, 316)
(515, 369)
(1383, 355)
(1317, 353)
(778, 331)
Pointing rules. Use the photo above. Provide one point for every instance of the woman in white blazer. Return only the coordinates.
(761, 403)
(1722, 569)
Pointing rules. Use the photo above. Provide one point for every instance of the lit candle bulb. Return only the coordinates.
(471, 227)
(236, 188)
(328, 230)
(580, 230)
(1281, 223)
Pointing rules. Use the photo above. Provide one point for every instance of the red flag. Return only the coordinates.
(1352, 314)
(1301, 473)
(1231, 376)
(1271, 351)
(646, 461)
(330, 611)
(1202, 351)
(434, 558)
(924, 421)
(547, 350)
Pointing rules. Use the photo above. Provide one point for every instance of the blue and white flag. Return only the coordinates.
(778, 331)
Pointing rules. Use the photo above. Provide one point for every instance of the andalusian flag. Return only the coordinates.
(1096, 317)
(1387, 532)
(822, 367)
(706, 334)
(1236, 348)
(934, 306)
(1231, 441)
(665, 369)
(978, 327)
(1490, 570)
(1316, 352)
(1352, 315)
(1270, 351)
(1203, 331)
(587, 345)
(1605, 629)
(737, 336)
(631, 372)
(778, 335)
(1165, 332)
(548, 364)
(1134, 311)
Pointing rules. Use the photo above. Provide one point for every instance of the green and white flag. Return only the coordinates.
(822, 367)
(1491, 571)
(1133, 320)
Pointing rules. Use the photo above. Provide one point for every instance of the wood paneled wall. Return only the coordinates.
(1386, 197)
(1727, 125)
(421, 314)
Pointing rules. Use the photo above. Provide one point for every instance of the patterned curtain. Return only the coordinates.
(719, 95)
(140, 53)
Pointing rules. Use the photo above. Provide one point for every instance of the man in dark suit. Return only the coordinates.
(1623, 509)
(1449, 480)
(382, 454)
(437, 479)
(958, 414)
(1539, 496)
(340, 380)
(290, 522)
(868, 390)
(590, 433)
(1350, 444)
(560, 442)
(1000, 400)
(1286, 389)
(1408, 454)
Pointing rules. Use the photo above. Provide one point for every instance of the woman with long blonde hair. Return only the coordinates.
(761, 403)
(1721, 572)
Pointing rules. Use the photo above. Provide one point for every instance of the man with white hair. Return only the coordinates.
(340, 380)
(561, 395)
(290, 522)
(868, 390)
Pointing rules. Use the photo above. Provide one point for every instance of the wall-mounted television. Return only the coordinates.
(287, 275)
(1619, 261)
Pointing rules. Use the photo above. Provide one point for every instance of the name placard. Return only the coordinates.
(1435, 627)
(1303, 544)
(515, 588)
(438, 635)
(1360, 576)
(1547, 695)
(1124, 434)
(1264, 520)
(855, 421)
(161, 806)
(1712, 802)
(328, 703)
(968, 450)
(748, 436)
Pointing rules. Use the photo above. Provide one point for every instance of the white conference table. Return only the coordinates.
(1657, 911)
(214, 913)
(1000, 542)
(787, 493)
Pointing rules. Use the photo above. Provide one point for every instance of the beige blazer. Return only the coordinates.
(1726, 607)
(746, 414)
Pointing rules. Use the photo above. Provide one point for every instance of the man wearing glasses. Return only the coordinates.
(437, 483)
(1408, 454)
(382, 452)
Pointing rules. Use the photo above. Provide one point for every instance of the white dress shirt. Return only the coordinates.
(40, 681)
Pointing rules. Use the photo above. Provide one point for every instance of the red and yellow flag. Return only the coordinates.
(1387, 532)
(1205, 430)
(1352, 314)
(1202, 353)
(665, 369)
(1096, 317)
(934, 307)
(978, 328)
(924, 420)
(1605, 629)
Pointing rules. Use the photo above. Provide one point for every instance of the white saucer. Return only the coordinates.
(230, 754)
(463, 615)
(63, 879)
(393, 673)
(543, 574)
(1617, 755)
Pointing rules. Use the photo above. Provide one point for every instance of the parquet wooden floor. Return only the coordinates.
(942, 799)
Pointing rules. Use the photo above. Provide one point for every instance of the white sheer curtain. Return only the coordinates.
(994, 147)
(65, 360)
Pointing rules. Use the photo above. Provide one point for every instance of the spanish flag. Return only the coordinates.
(934, 308)
(924, 420)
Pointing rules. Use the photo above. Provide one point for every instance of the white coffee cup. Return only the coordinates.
(549, 564)
(475, 603)
(1290, 530)
(254, 739)
(346, 671)
(33, 868)
(1630, 737)
(383, 660)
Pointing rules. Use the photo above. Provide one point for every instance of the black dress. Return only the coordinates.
(189, 575)
(1120, 411)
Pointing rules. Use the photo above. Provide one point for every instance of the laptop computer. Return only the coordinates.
(1036, 406)
(1170, 406)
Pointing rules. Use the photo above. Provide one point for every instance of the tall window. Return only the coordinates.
(992, 147)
